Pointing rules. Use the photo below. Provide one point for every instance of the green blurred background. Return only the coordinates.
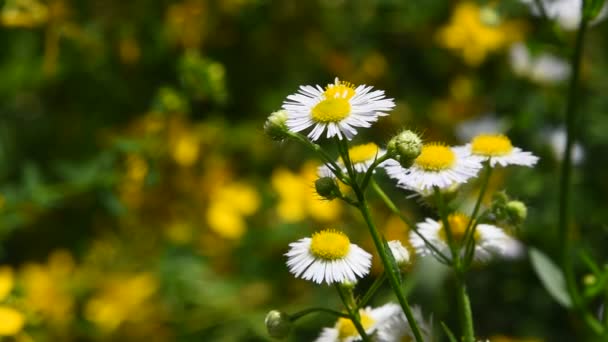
(140, 199)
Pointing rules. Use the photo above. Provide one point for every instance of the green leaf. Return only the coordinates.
(551, 277)
(448, 333)
(592, 8)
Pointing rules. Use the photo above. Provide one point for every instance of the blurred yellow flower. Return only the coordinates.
(6, 281)
(11, 321)
(46, 289)
(297, 196)
(230, 203)
(24, 13)
(185, 149)
(475, 32)
(121, 298)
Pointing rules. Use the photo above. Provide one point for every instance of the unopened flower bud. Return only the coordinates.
(400, 253)
(278, 324)
(517, 211)
(327, 188)
(405, 147)
(276, 125)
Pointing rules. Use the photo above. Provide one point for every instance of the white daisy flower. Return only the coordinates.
(497, 148)
(437, 166)
(338, 108)
(399, 330)
(556, 139)
(372, 320)
(543, 68)
(487, 123)
(400, 253)
(328, 257)
(489, 240)
(567, 13)
(361, 156)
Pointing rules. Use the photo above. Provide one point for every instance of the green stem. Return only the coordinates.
(370, 170)
(466, 316)
(446, 227)
(469, 236)
(566, 167)
(411, 225)
(372, 290)
(305, 312)
(541, 9)
(327, 159)
(353, 314)
(392, 277)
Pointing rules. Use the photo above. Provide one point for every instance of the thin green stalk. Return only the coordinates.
(392, 207)
(466, 316)
(541, 9)
(370, 170)
(469, 235)
(392, 277)
(327, 159)
(353, 314)
(446, 227)
(565, 179)
(372, 290)
(305, 312)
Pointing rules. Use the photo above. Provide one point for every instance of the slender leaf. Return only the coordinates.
(551, 277)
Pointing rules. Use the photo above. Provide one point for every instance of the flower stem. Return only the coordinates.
(469, 236)
(392, 276)
(353, 313)
(372, 290)
(411, 225)
(305, 312)
(466, 316)
(566, 167)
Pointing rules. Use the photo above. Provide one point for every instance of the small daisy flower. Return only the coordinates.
(437, 165)
(497, 148)
(371, 319)
(361, 156)
(400, 253)
(489, 240)
(397, 329)
(328, 257)
(338, 108)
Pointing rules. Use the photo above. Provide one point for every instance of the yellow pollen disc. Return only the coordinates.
(458, 225)
(435, 157)
(362, 153)
(331, 110)
(346, 328)
(491, 145)
(342, 89)
(329, 245)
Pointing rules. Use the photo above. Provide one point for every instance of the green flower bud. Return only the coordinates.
(327, 188)
(517, 211)
(278, 324)
(405, 147)
(276, 125)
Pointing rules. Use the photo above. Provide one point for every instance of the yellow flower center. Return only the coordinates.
(346, 328)
(329, 245)
(335, 107)
(458, 226)
(435, 157)
(362, 153)
(491, 145)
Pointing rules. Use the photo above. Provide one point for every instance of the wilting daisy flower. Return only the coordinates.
(437, 165)
(338, 108)
(489, 240)
(371, 319)
(328, 256)
(567, 13)
(497, 148)
(397, 329)
(361, 156)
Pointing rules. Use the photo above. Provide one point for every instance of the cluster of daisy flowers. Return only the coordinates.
(427, 169)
